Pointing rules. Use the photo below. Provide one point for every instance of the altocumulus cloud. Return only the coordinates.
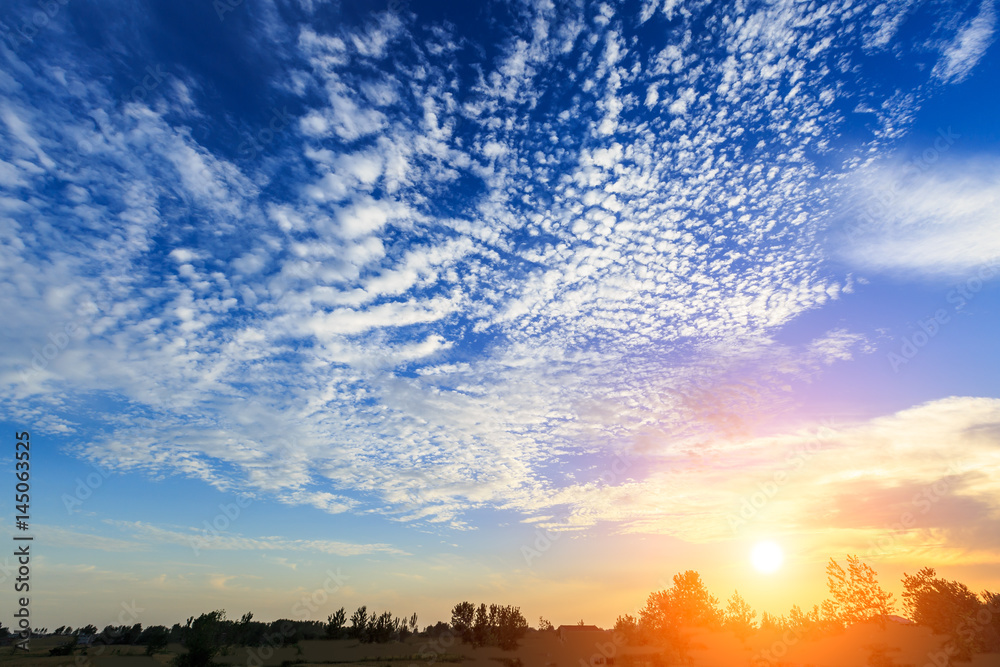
(526, 255)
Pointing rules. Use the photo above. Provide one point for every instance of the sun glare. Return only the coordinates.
(767, 557)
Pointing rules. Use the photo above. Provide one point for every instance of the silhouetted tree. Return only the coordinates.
(496, 625)
(669, 615)
(439, 629)
(629, 628)
(855, 594)
(155, 637)
(770, 622)
(946, 607)
(686, 603)
(739, 618)
(544, 625)
(201, 639)
(64, 649)
(510, 627)
(991, 631)
(335, 624)
(359, 623)
(481, 627)
(462, 617)
(803, 622)
(381, 628)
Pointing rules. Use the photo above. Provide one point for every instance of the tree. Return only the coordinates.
(461, 620)
(359, 623)
(155, 637)
(381, 628)
(510, 626)
(739, 618)
(991, 632)
(202, 639)
(855, 594)
(335, 624)
(946, 607)
(628, 627)
(439, 629)
(693, 603)
(803, 622)
(65, 649)
(496, 625)
(481, 627)
(771, 622)
(669, 615)
(686, 603)
(544, 625)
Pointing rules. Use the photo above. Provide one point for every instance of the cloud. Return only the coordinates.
(909, 218)
(881, 486)
(960, 57)
(450, 256)
(55, 536)
(204, 541)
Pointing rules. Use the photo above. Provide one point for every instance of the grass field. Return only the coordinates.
(859, 646)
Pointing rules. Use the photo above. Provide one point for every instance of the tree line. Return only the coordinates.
(204, 637)
(488, 626)
(971, 622)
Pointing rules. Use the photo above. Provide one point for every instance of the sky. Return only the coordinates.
(311, 304)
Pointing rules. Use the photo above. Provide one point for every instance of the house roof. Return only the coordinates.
(579, 628)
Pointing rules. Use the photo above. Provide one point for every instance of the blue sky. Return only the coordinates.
(423, 284)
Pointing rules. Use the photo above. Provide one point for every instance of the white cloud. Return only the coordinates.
(970, 44)
(203, 540)
(912, 218)
(438, 272)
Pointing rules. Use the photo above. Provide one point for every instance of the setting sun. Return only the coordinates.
(767, 557)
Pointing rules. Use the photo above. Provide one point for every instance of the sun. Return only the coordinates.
(767, 557)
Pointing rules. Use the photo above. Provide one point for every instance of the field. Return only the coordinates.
(860, 646)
